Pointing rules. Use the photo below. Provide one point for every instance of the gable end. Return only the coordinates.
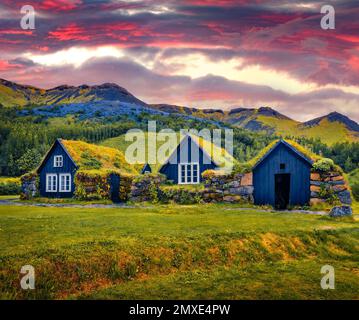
(48, 154)
(287, 145)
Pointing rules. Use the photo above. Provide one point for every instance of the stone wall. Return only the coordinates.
(125, 187)
(329, 187)
(146, 187)
(233, 188)
(29, 186)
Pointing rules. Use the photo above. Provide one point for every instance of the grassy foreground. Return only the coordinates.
(202, 251)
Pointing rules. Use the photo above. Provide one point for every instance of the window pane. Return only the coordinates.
(182, 173)
(189, 173)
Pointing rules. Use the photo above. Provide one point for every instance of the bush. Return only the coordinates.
(180, 195)
(355, 191)
(10, 188)
(324, 165)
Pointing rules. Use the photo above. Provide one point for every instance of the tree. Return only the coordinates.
(28, 161)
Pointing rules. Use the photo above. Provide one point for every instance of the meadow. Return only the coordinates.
(178, 252)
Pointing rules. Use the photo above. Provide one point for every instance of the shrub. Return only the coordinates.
(328, 193)
(10, 187)
(355, 191)
(324, 165)
(180, 195)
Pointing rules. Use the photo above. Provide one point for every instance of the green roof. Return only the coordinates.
(93, 157)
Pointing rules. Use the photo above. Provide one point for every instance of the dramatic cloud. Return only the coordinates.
(195, 52)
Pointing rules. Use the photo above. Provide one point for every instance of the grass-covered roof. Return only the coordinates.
(300, 149)
(93, 157)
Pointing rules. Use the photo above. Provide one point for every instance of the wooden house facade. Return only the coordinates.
(282, 177)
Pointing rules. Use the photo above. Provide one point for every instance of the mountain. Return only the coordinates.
(331, 128)
(13, 94)
(333, 117)
(112, 100)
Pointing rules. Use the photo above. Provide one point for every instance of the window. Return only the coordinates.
(282, 166)
(188, 173)
(65, 182)
(58, 161)
(51, 183)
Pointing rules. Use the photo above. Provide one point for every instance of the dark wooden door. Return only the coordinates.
(282, 190)
(115, 187)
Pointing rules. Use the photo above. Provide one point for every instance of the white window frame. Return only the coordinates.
(60, 184)
(49, 186)
(58, 161)
(191, 164)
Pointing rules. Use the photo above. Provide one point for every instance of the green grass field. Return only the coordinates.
(179, 252)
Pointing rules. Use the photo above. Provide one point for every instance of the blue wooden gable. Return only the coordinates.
(57, 173)
(187, 163)
(283, 167)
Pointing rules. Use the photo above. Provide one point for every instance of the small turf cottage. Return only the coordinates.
(65, 158)
(282, 177)
(191, 158)
(286, 174)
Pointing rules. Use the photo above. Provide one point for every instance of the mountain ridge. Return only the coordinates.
(110, 99)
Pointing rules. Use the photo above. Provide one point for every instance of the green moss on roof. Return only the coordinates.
(93, 157)
(305, 152)
(218, 154)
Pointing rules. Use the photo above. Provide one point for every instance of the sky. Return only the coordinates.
(197, 53)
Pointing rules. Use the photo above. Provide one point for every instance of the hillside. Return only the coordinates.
(331, 128)
(111, 100)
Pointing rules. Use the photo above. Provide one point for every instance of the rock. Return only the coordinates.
(315, 201)
(243, 191)
(314, 194)
(232, 198)
(234, 184)
(341, 211)
(345, 197)
(334, 174)
(315, 188)
(337, 178)
(315, 176)
(339, 188)
(247, 179)
(315, 183)
(337, 183)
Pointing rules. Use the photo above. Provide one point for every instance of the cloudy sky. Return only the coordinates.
(199, 53)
